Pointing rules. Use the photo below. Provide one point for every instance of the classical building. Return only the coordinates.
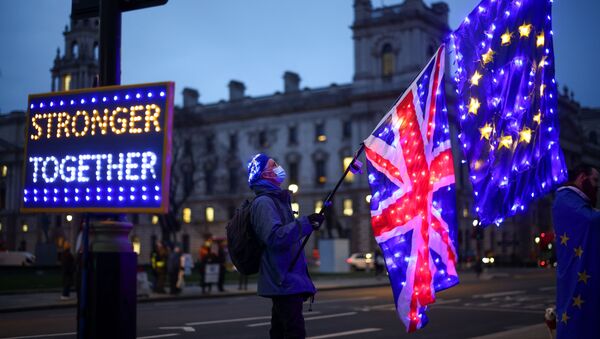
(313, 133)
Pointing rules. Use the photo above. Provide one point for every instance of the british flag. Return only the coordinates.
(413, 203)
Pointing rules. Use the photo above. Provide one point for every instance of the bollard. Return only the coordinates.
(111, 297)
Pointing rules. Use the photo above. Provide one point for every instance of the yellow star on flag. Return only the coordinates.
(506, 141)
(505, 38)
(583, 277)
(488, 56)
(542, 88)
(564, 239)
(540, 40)
(525, 135)
(525, 30)
(475, 79)
(542, 62)
(474, 105)
(486, 131)
(565, 317)
(577, 302)
(538, 117)
(578, 251)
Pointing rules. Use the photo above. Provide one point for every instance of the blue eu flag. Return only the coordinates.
(507, 98)
(577, 225)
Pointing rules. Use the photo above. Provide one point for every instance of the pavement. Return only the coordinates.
(31, 301)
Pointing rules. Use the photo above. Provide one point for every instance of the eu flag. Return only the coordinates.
(577, 225)
(507, 98)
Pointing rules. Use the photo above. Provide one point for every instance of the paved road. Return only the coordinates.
(470, 309)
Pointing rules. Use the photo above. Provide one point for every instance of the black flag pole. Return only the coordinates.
(327, 201)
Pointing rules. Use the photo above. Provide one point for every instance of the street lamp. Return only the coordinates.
(294, 188)
(69, 217)
(368, 199)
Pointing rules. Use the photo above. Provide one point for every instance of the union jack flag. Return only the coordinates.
(413, 203)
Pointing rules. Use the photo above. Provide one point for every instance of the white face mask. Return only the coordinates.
(280, 173)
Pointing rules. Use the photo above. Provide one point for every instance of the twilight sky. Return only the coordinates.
(205, 43)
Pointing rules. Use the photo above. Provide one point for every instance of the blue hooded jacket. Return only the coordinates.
(281, 234)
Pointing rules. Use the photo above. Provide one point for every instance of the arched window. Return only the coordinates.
(96, 50)
(387, 60)
(75, 50)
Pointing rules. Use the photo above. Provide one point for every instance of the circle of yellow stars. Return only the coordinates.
(582, 277)
(488, 130)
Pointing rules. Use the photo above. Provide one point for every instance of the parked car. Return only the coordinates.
(361, 261)
(16, 259)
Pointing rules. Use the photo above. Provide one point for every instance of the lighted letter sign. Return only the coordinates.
(104, 149)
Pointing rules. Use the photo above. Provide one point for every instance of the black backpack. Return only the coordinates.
(245, 249)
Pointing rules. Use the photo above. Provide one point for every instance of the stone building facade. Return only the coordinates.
(312, 133)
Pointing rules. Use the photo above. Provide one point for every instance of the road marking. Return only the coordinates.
(342, 300)
(549, 288)
(443, 302)
(310, 318)
(342, 334)
(159, 336)
(224, 321)
(487, 309)
(183, 328)
(42, 335)
(498, 294)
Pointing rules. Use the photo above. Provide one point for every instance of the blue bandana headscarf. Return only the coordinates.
(256, 167)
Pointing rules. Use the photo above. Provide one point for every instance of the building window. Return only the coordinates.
(209, 181)
(75, 50)
(293, 168)
(210, 144)
(347, 129)
(25, 228)
(187, 215)
(185, 243)
(262, 139)
(67, 82)
(4, 171)
(350, 176)
(318, 206)
(348, 211)
(154, 219)
(96, 51)
(233, 180)
(593, 138)
(295, 207)
(233, 142)
(293, 135)
(320, 132)
(137, 245)
(321, 175)
(210, 214)
(387, 60)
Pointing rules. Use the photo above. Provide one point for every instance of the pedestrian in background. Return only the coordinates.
(276, 227)
(161, 267)
(68, 271)
(221, 259)
(577, 225)
(174, 268)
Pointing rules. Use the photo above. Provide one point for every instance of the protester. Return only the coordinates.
(379, 263)
(161, 267)
(577, 225)
(208, 262)
(174, 268)
(275, 226)
(68, 271)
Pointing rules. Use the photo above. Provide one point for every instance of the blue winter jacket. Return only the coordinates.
(282, 235)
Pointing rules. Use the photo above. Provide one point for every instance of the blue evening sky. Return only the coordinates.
(203, 44)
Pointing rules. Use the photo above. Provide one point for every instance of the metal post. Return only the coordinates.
(327, 201)
(110, 43)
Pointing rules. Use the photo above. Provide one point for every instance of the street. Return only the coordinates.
(473, 308)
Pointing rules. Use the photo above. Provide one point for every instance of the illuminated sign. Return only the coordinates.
(103, 149)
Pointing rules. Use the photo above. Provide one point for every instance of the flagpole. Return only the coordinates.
(327, 201)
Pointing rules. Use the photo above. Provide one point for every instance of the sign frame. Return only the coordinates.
(166, 161)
